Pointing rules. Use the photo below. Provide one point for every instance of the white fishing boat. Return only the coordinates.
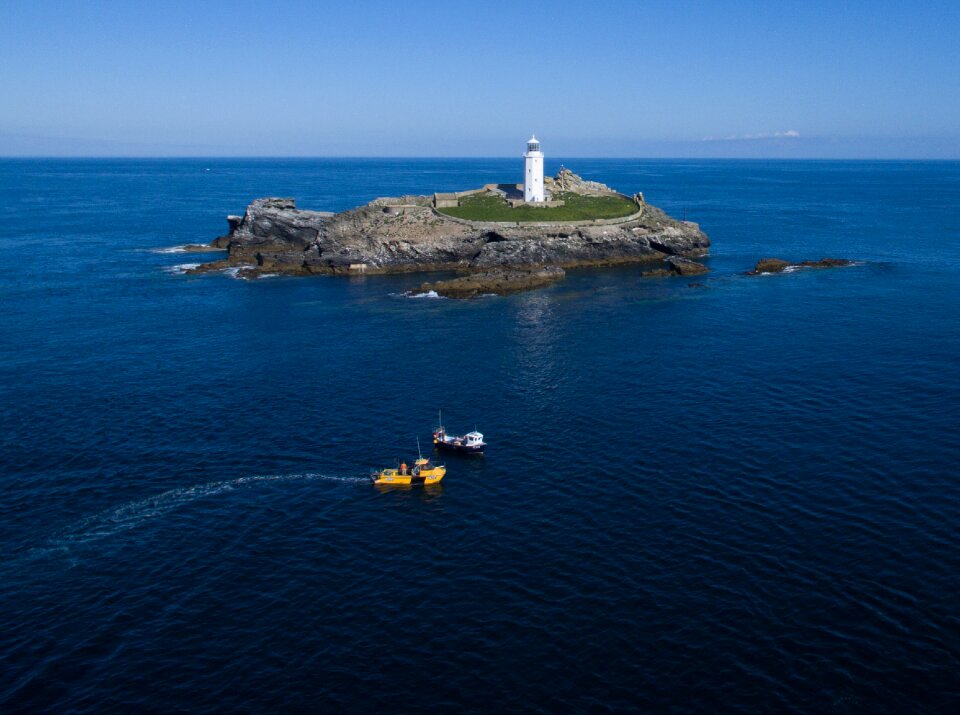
(469, 443)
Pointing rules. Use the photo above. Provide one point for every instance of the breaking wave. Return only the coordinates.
(180, 268)
(428, 294)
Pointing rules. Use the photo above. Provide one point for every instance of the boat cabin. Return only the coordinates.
(473, 439)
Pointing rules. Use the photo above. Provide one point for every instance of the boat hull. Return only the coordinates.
(394, 477)
(462, 448)
(470, 443)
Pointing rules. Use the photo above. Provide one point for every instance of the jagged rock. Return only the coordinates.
(769, 265)
(500, 281)
(686, 267)
(271, 224)
(566, 180)
(280, 262)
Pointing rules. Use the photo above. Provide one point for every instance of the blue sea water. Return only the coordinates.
(741, 497)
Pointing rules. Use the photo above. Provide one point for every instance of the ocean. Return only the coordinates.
(740, 497)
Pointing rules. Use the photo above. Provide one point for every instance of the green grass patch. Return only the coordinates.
(491, 207)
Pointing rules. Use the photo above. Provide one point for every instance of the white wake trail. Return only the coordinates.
(133, 514)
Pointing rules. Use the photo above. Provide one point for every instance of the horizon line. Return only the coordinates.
(87, 157)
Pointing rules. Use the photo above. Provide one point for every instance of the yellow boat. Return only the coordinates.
(422, 472)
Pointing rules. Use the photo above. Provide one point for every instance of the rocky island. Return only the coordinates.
(498, 239)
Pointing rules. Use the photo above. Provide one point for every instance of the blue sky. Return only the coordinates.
(643, 79)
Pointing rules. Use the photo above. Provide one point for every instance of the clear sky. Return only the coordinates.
(406, 78)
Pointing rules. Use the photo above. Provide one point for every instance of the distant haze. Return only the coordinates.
(652, 79)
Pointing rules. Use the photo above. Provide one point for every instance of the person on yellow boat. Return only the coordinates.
(403, 468)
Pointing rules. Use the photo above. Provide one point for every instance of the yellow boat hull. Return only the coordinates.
(396, 477)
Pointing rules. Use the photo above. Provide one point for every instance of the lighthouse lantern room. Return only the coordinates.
(533, 171)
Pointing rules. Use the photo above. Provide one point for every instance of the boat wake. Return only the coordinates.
(137, 513)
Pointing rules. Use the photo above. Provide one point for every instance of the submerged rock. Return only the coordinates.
(500, 281)
(778, 265)
(676, 266)
(769, 265)
(827, 263)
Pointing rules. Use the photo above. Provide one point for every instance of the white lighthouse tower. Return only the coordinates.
(533, 171)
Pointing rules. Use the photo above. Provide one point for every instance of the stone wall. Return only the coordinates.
(445, 201)
(401, 209)
(471, 192)
(452, 199)
(536, 204)
(542, 224)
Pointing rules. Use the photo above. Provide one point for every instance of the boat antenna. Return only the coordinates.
(418, 447)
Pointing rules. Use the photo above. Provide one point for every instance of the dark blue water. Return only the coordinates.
(741, 497)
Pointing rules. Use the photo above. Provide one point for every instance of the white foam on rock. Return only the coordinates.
(181, 268)
(186, 248)
(428, 294)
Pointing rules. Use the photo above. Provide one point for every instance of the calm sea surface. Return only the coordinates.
(738, 497)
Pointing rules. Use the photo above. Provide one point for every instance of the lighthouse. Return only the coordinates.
(533, 171)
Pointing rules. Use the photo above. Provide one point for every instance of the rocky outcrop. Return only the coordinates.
(677, 266)
(199, 248)
(271, 225)
(778, 265)
(406, 234)
(686, 267)
(769, 265)
(499, 281)
(566, 180)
